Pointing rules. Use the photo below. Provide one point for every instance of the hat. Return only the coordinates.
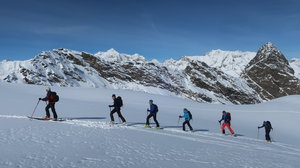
(185, 109)
(223, 111)
(48, 89)
(113, 95)
(150, 101)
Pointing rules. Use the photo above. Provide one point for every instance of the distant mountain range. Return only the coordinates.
(217, 77)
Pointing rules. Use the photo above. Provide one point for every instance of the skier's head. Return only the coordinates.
(224, 112)
(150, 101)
(185, 110)
(48, 89)
(113, 96)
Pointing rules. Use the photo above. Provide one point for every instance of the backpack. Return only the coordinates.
(155, 108)
(228, 117)
(190, 114)
(268, 125)
(120, 101)
(54, 97)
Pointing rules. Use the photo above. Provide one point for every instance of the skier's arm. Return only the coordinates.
(261, 126)
(47, 97)
(221, 119)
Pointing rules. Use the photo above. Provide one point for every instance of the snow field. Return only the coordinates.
(85, 139)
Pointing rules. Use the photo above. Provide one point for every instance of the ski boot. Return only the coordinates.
(46, 118)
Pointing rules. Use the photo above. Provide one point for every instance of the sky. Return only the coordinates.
(156, 29)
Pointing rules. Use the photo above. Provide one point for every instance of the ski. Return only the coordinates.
(39, 118)
(158, 128)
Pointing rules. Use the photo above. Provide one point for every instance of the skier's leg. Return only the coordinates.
(156, 122)
(188, 123)
(47, 110)
(268, 135)
(148, 118)
(112, 114)
(53, 111)
(223, 128)
(120, 115)
(183, 125)
(231, 131)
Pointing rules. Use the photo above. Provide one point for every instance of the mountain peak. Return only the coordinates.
(112, 51)
(269, 47)
(269, 52)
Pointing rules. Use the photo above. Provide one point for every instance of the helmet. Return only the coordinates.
(48, 89)
(113, 95)
(223, 111)
(185, 110)
(150, 101)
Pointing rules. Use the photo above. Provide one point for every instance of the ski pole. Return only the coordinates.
(178, 121)
(257, 133)
(35, 108)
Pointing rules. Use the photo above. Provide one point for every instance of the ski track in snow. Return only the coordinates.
(129, 152)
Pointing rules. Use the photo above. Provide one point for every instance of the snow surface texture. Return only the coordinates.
(86, 140)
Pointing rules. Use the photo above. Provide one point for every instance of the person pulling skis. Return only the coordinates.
(152, 113)
(187, 116)
(118, 103)
(52, 98)
(226, 118)
(268, 128)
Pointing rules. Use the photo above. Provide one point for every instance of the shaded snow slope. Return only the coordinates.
(86, 140)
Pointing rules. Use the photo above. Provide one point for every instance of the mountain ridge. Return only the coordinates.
(215, 77)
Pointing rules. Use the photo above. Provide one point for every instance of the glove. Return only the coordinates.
(180, 116)
(257, 127)
(40, 98)
(219, 121)
(110, 106)
(148, 110)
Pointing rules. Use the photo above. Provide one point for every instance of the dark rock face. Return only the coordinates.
(270, 74)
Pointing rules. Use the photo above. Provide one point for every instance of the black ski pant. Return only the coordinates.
(118, 110)
(268, 138)
(52, 106)
(154, 118)
(188, 123)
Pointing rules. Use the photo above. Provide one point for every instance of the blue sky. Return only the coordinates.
(160, 29)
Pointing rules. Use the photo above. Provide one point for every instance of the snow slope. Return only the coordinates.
(86, 140)
(231, 62)
(295, 64)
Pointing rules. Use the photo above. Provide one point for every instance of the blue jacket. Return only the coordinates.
(153, 109)
(186, 116)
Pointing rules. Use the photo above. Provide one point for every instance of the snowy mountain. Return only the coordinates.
(230, 62)
(194, 80)
(217, 77)
(86, 139)
(270, 74)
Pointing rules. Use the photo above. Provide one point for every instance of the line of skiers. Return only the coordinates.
(52, 98)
